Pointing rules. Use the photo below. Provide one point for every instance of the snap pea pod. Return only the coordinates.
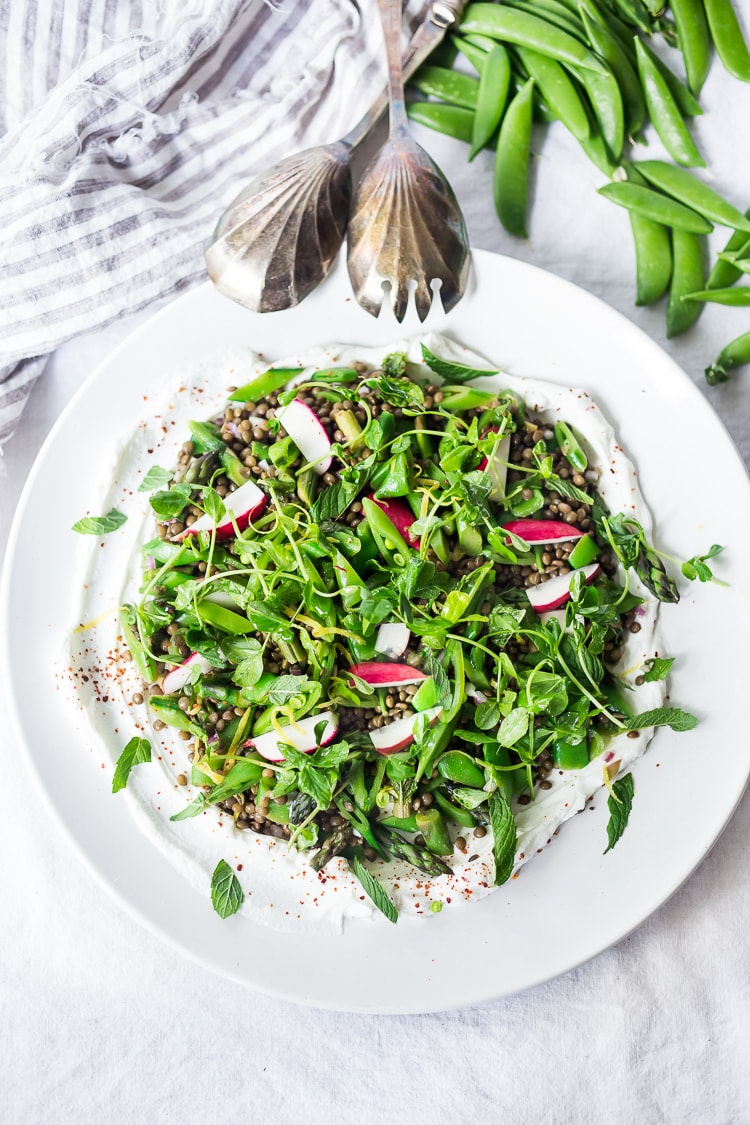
(741, 264)
(264, 384)
(633, 12)
(554, 14)
(570, 755)
(694, 40)
(686, 103)
(449, 85)
(434, 831)
(511, 171)
(597, 150)
(686, 188)
(453, 120)
(688, 275)
(476, 55)
(512, 26)
(460, 768)
(606, 44)
(655, 206)
(736, 297)
(727, 37)
(735, 354)
(384, 532)
(570, 447)
(461, 816)
(653, 256)
(494, 84)
(558, 91)
(606, 102)
(665, 113)
(724, 273)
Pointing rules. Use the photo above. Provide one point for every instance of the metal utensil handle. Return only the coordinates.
(441, 17)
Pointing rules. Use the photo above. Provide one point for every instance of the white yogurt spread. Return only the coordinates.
(281, 889)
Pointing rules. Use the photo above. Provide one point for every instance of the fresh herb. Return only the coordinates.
(619, 803)
(226, 891)
(451, 371)
(658, 669)
(697, 567)
(100, 525)
(373, 890)
(195, 807)
(673, 717)
(156, 477)
(137, 751)
(504, 835)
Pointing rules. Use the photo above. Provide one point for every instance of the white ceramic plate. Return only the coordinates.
(571, 902)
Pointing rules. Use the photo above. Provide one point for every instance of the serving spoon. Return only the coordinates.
(406, 227)
(279, 238)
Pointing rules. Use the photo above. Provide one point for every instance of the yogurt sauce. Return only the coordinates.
(281, 889)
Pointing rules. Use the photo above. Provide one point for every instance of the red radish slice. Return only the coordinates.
(308, 434)
(179, 676)
(378, 674)
(558, 614)
(244, 504)
(300, 735)
(401, 516)
(394, 737)
(392, 639)
(543, 532)
(497, 467)
(556, 592)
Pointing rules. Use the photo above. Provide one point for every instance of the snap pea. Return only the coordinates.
(606, 101)
(455, 812)
(686, 188)
(635, 13)
(555, 14)
(606, 44)
(724, 273)
(476, 55)
(686, 103)
(384, 532)
(693, 38)
(525, 30)
(264, 384)
(453, 120)
(460, 768)
(653, 257)
(494, 83)
(558, 90)
(511, 172)
(597, 150)
(434, 830)
(687, 275)
(735, 354)
(737, 297)
(449, 85)
(569, 755)
(570, 447)
(659, 208)
(728, 38)
(226, 619)
(741, 264)
(664, 112)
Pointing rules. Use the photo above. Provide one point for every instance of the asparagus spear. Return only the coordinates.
(332, 846)
(419, 857)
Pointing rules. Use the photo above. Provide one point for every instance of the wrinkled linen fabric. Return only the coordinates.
(125, 130)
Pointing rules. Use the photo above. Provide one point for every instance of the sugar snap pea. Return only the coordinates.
(694, 40)
(476, 55)
(724, 272)
(558, 91)
(494, 83)
(513, 26)
(653, 257)
(606, 44)
(685, 101)
(453, 120)
(736, 297)
(597, 150)
(664, 112)
(554, 14)
(684, 187)
(606, 101)
(735, 354)
(660, 208)
(728, 38)
(739, 263)
(511, 171)
(449, 85)
(687, 276)
(633, 12)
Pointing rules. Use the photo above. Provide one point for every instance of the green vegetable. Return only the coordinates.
(735, 354)
(620, 803)
(511, 174)
(374, 891)
(687, 276)
(100, 525)
(504, 835)
(664, 111)
(727, 37)
(686, 188)
(513, 26)
(226, 891)
(494, 83)
(659, 208)
(137, 751)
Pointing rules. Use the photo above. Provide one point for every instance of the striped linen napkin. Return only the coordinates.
(126, 128)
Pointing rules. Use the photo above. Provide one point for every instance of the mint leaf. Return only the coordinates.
(156, 477)
(504, 837)
(673, 717)
(138, 750)
(374, 891)
(226, 892)
(455, 372)
(192, 809)
(619, 804)
(172, 502)
(213, 504)
(658, 669)
(100, 525)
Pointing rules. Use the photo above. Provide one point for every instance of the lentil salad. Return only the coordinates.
(416, 525)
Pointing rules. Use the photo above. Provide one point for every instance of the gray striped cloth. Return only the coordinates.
(126, 127)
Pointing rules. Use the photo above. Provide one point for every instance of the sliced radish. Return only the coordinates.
(308, 434)
(300, 735)
(543, 532)
(392, 639)
(242, 506)
(401, 516)
(378, 674)
(394, 737)
(497, 467)
(559, 615)
(556, 592)
(179, 676)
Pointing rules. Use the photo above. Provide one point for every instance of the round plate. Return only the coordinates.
(570, 902)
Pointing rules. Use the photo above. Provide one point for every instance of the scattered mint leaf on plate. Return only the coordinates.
(373, 890)
(504, 834)
(137, 751)
(196, 806)
(156, 477)
(226, 891)
(673, 717)
(619, 804)
(658, 669)
(455, 372)
(100, 525)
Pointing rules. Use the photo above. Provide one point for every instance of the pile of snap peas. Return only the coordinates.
(588, 64)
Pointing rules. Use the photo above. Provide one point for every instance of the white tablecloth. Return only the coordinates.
(101, 1022)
